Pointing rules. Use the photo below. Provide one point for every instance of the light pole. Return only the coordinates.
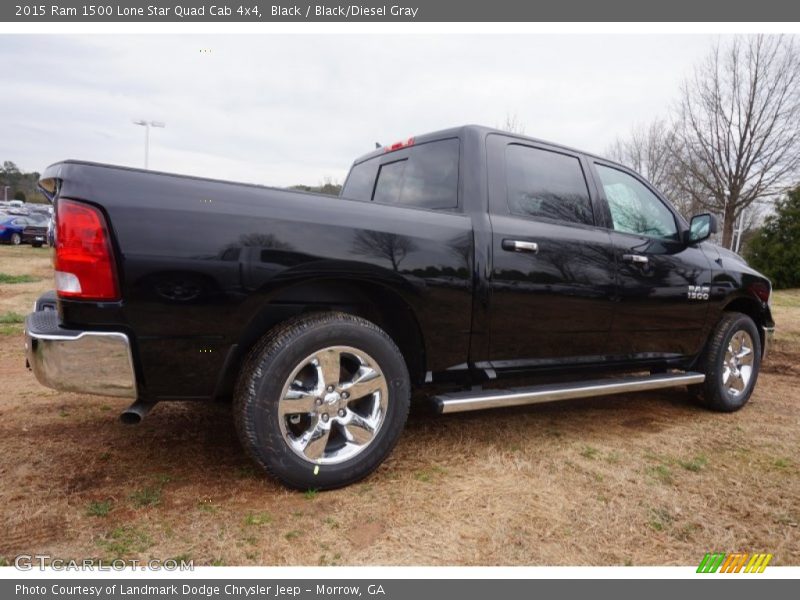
(739, 233)
(147, 125)
(5, 192)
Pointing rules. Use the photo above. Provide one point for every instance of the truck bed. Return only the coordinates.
(200, 259)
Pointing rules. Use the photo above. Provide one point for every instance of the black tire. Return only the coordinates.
(37, 244)
(16, 239)
(713, 393)
(267, 370)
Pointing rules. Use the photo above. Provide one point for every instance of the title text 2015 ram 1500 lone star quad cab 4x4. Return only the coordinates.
(451, 261)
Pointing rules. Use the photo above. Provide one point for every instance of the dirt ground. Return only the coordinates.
(646, 479)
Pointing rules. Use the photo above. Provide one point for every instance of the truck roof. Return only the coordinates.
(482, 131)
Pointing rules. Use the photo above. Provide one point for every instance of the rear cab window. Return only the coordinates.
(420, 176)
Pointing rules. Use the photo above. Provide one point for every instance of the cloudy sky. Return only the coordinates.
(281, 110)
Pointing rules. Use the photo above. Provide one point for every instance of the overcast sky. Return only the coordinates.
(281, 110)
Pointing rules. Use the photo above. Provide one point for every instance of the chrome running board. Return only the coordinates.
(480, 399)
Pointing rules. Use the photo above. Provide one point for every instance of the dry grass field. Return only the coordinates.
(644, 479)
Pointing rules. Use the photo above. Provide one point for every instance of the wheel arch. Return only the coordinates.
(753, 309)
(383, 306)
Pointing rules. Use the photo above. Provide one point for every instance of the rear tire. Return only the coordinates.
(321, 400)
(731, 362)
(16, 239)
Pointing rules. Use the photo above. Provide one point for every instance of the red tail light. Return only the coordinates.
(84, 260)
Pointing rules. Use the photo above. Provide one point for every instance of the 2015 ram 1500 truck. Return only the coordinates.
(451, 261)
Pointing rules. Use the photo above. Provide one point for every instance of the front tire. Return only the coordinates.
(16, 239)
(322, 400)
(731, 362)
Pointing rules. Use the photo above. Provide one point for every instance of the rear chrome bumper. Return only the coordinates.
(769, 333)
(90, 362)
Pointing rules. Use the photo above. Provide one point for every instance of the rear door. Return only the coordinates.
(552, 279)
(663, 283)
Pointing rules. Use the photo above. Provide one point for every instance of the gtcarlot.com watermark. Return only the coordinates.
(29, 562)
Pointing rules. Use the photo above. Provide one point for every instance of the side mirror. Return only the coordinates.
(700, 228)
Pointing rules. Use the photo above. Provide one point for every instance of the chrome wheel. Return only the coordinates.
(333, 405)
(737, 366)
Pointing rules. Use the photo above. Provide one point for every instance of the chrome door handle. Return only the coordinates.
(635, 258)
(520, 246)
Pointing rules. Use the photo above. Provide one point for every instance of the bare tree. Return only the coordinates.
(462, 247)
(512, 124)
(378, 244)
(262, 240)
(738, 127)
(650, 150)
(328, 186)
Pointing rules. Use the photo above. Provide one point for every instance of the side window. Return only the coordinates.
(424, 176)
(431, 177)
(547, 184)
(634, 208)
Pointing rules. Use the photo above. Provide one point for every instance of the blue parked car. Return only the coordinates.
(11, 227)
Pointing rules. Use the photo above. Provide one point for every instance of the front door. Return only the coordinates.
(663, 283)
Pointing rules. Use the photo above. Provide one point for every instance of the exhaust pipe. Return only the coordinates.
(137, 411)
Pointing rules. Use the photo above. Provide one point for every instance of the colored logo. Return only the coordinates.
(743, 562)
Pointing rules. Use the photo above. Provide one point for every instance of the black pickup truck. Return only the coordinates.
(451, 262)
